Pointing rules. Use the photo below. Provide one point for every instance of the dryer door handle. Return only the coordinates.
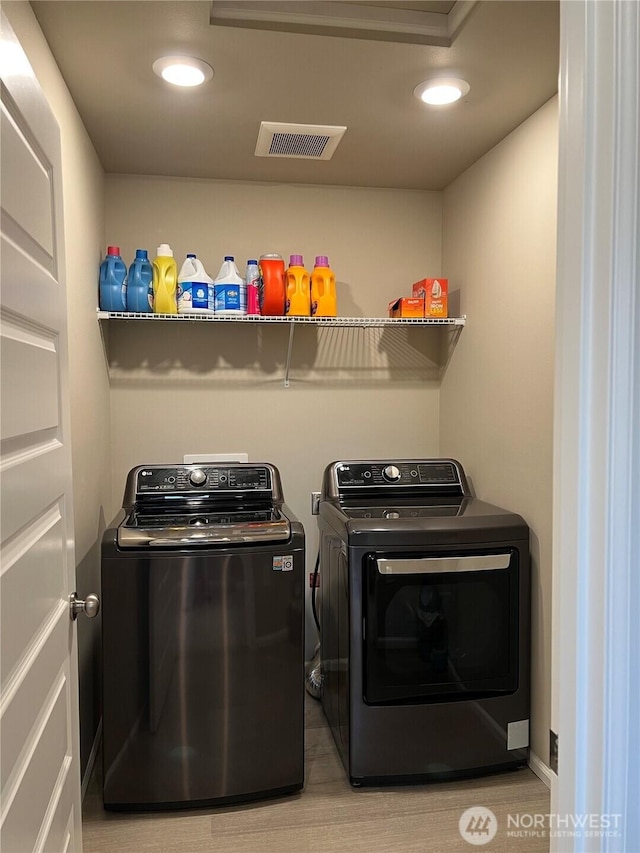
(438, 565)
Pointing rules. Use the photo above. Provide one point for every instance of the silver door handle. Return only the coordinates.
(436, 565)
(90, 606)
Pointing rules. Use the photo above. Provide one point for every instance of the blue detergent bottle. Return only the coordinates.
(140, 284)
(113, 281)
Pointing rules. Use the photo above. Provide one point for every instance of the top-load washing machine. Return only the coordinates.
(425, 621)
(202, 634)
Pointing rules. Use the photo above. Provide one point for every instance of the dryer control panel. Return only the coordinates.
(432, 476)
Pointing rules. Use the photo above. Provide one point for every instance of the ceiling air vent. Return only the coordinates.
(302, 141)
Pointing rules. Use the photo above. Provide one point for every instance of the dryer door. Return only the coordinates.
(440, 627)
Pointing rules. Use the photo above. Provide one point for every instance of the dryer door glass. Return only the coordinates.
(440, 627)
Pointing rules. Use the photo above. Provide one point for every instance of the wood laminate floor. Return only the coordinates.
(328, 816)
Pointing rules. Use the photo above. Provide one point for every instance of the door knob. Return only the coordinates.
(90, 606)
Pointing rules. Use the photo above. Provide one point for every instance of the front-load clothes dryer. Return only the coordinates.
(202, 632)
(424, 623)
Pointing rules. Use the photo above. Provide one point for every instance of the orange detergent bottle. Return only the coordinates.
(298, 288)
(324, 302)
(272, 289)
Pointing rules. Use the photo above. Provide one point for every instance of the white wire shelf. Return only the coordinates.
(359, 322)
(454, 324)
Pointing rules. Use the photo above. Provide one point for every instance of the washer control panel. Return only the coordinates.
(353, 474)
(198, 478)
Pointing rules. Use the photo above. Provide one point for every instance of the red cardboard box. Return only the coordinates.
(407, 306)
(435, 292)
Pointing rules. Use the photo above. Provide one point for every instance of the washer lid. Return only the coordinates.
(203, 527)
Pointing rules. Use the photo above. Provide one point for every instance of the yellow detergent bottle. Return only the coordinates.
(297, 288)
(165, 281)
(324, 301)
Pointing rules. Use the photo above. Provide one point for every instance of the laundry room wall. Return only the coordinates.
(499, 251)
(83, 194)
(149, 392)
(186, 387)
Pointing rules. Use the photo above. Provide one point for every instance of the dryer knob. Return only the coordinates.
(391, 473)
(197, 477)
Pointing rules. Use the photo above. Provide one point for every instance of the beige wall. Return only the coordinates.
(496, 402)
(83, 193)
(180, 388)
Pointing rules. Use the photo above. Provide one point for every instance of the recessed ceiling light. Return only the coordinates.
(444, 90)
(183, 70)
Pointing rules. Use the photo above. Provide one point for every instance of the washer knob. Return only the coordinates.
(391, 473)
(197, 477)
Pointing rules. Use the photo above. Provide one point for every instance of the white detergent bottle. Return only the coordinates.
(230, 289)
(195, 288)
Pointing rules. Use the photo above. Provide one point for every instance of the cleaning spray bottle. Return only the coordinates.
(165, 281)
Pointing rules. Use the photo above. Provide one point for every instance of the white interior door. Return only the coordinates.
(40, 779)
(595, 708)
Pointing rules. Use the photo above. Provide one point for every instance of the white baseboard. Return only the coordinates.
(92, 759)
(541, 770)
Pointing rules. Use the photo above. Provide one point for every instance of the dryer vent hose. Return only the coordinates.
(313, 675)
(313, 668)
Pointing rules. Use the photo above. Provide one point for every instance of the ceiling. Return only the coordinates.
(506, 49)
